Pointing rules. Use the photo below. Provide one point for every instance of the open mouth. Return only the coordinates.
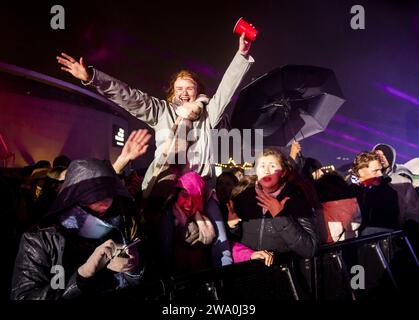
(187, 210)
(267, 179)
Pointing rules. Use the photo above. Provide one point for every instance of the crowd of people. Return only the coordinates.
(83, 228)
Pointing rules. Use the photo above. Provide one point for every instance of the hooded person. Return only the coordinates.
(75, 251)
(397, 172)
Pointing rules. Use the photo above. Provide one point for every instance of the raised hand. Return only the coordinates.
(135, 146)
(244, 45)
(295, 149)
(270, 203)
(77, 68)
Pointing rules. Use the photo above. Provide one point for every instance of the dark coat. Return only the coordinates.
(54, 246)
(293, 229)
(388, 205)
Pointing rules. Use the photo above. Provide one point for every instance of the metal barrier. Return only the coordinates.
(386, 263)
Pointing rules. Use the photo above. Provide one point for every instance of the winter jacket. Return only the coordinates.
(388, 205)
(160, 115)
(293, 229)
(47, 261)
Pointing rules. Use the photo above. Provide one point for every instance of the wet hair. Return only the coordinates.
(362, 160)
(183, 74)
(235, 170)
(230, 175)
(310, 166)
(246, 182)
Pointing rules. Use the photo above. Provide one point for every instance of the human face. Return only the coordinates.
(184, 202)
(371, 175)
(185, 90)
(270, 173)
(383, 159)
(100, 207)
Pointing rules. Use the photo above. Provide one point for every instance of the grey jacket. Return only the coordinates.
(160, 115)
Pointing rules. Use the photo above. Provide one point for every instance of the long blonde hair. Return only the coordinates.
(184, 74)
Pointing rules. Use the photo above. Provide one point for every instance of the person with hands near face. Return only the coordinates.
(104, 256)
(275, 215)
(92, 217)
(270, 203)
(186, 238)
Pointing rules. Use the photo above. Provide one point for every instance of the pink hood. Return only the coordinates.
(195, 186)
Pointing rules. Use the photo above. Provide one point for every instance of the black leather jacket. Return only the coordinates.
(293, 229)
(34, 276)
(47, 262)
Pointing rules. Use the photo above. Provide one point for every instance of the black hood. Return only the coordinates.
(86, 182)
(389, 152)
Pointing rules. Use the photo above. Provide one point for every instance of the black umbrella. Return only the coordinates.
(290, 102)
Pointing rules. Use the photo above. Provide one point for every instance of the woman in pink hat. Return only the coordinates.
(186, 238)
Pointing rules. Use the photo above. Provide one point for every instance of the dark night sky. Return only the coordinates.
(144, 43)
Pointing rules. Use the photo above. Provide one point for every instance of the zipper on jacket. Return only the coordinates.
(262, 227)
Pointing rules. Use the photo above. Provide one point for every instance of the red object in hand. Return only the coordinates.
(250, 32)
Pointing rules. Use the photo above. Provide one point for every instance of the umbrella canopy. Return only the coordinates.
(290, 102)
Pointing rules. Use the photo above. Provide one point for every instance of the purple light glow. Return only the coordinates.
(400, 94)
(342, 119)
(348, 137)
(337, 145)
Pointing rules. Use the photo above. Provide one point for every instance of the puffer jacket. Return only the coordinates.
(57, 246)
(292, 230)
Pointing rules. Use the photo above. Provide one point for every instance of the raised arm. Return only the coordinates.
(138, 103)
(230, 82)
(135, 146)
